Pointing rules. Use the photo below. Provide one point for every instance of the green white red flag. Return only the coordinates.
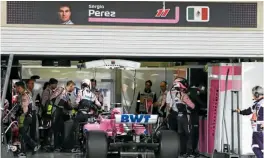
(197, 14)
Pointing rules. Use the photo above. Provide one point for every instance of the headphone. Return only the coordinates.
(183, 81)
(257, 91)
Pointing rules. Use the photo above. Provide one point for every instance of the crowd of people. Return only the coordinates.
(179, 106)
(41, 116)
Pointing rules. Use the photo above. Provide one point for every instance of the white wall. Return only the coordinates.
(131, 42)
(252, 75)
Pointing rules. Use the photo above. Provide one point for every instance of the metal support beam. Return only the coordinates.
(118, 86)
(8, 72)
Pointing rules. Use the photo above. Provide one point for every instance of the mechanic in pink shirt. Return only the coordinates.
(180, 107)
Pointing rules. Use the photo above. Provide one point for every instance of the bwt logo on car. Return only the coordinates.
(94, 11)
(131, 118)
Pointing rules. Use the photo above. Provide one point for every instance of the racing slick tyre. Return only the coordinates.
(169, 145)
(96, 144)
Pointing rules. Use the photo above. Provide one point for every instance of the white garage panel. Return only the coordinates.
(131, 42)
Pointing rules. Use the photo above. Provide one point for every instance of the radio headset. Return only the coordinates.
(257, 91)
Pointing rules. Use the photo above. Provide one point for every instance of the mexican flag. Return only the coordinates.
(197, 14)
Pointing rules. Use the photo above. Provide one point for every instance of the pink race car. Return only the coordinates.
(127, 135)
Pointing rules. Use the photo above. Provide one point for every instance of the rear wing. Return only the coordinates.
(140, 119)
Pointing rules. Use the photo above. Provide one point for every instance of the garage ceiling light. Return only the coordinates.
(113, 64)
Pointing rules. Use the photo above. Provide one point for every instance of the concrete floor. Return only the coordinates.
(52, 155)
(48, 155)
(40, 154)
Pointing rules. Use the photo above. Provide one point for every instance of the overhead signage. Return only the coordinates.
(133, 13)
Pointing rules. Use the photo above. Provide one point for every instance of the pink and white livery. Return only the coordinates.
(127, 135)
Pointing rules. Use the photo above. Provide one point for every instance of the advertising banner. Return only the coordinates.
(169, 14)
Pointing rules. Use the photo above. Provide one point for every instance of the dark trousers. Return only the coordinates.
(46, 134)
(173, 121)
(195, 130)
(25, 138)
(184, 130)
(33, 126)
(80, 118)
(58, 128)
(257, 143)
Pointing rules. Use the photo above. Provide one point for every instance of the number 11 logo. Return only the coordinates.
(162, 13)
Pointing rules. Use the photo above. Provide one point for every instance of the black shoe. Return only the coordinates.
(57, 150)
(183, 155)
(36, 148)
(190, 156)
(75, 150)
(196, 154)
(22, 155)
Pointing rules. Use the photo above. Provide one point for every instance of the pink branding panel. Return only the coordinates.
(212, 115)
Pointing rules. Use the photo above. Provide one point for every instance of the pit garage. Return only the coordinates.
(123, 51)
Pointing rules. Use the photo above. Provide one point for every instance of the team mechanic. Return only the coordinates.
(25, 119)
(63, 109)
(85, 102)
(49, 90)
(194, 94)
(179, 105)
(95, 90)
(257, 120)
(146, 100)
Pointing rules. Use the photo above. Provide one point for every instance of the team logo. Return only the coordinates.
(162, 13)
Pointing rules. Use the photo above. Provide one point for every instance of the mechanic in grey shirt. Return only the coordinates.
(64, 14)
(161, 102)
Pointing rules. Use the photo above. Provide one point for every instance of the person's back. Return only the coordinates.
(45, 96)
(84, 102)
(86, 94)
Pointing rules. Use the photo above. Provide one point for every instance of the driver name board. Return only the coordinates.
(133, 13)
